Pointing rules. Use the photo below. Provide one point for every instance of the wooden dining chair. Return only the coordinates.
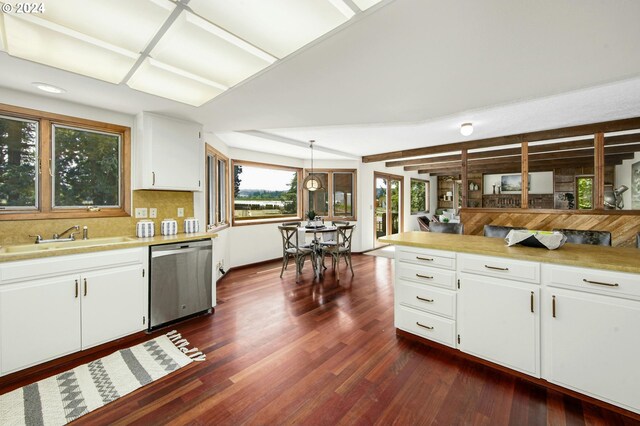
(291, 248)
(342, 248)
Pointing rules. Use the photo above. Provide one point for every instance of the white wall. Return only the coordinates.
(541, 182)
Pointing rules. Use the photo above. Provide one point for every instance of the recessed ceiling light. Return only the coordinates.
(48, 88)
(466, 129)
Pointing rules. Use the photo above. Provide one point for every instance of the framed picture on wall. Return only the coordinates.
(635, 186)
(513, 183)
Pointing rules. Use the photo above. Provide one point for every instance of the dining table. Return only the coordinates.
(316, 244)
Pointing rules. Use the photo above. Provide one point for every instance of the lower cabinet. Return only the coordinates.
(498, 320)
(592, 345)
(42, 318)
(39, 321)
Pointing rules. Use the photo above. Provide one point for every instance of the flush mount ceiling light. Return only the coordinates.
(312, 182)
(48, 87)
(466, 129)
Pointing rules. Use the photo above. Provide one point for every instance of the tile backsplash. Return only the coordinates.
(167, 203)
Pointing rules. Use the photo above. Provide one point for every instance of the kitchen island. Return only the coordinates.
(567, 318)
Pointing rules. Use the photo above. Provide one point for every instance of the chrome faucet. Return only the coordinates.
(71, 237)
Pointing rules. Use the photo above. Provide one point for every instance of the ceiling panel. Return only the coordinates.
(169, 82)
(365, 4)
(39, 41)
(198, 47)
(277, 26)
(124, 23)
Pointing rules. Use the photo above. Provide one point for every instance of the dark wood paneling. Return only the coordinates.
(623, 227)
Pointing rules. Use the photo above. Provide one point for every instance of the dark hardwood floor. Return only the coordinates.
(322, 353)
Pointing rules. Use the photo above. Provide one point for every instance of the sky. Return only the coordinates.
(269, 179)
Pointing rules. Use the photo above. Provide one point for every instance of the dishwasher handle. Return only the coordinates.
(177, 251)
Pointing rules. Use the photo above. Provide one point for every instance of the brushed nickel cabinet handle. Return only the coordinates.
(600, 283)
(424, 326)
(77, 290)
(424, 276)
(553, 306)
(85, 286)
(423, 299)
(429, 259)
(531, 301)
(496, 268)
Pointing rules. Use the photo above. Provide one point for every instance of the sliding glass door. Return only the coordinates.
(388, 202)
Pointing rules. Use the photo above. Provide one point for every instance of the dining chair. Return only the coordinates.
(577, 236)
(342, 248)
(291, 248)
(497, 231)
(446, 228)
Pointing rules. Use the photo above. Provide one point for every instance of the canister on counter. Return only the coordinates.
(191, 225)
(145, 228)
(169, 227)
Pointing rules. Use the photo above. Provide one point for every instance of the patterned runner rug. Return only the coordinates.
(63, 398)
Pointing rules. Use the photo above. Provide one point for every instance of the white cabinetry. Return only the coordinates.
(591, 341)
(499, 318)
(425, 297)
(169, 153)
(55, 306)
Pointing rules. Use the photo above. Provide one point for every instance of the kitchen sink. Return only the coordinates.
(32, 248)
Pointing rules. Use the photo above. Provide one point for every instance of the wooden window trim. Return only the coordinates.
(45, 209)
(250, 222)
(330, 172)
(427, 195)
(389, 177)
(209, 150)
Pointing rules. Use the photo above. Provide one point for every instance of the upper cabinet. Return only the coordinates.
(169, 153)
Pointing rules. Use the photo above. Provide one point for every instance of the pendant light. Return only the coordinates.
(312, 182)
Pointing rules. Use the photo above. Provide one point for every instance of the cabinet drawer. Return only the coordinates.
(436, 258)
(594, 280)
(423, 275)
(427, 298)
(500, 267)
(426, 325)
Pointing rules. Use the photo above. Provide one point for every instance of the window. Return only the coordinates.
(52, 165)
(217, 184)
(584, 185)
(337, 199)
(18, 164)
(264, 192)
(419, 196)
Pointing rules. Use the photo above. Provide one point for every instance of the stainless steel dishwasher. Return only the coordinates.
(180, 281)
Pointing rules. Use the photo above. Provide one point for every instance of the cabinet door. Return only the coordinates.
(592, 345)
(112, 304)
(176, 154)
(499, 320)
(39, 321)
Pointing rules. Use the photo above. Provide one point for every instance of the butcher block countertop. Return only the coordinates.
(622, 259)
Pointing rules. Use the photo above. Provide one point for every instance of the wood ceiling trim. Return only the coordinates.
(565, 132)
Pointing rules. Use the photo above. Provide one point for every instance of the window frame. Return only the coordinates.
(278, 219)
(44, 187)
(426, 196)
(331, 190)
(214, 178)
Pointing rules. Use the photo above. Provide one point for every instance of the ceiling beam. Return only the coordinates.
(565, 132)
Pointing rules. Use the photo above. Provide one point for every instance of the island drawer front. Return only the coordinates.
(594, 280)
(500, 267)
(425, 298)
(425, 257)
(430, 276)
(426, 325)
